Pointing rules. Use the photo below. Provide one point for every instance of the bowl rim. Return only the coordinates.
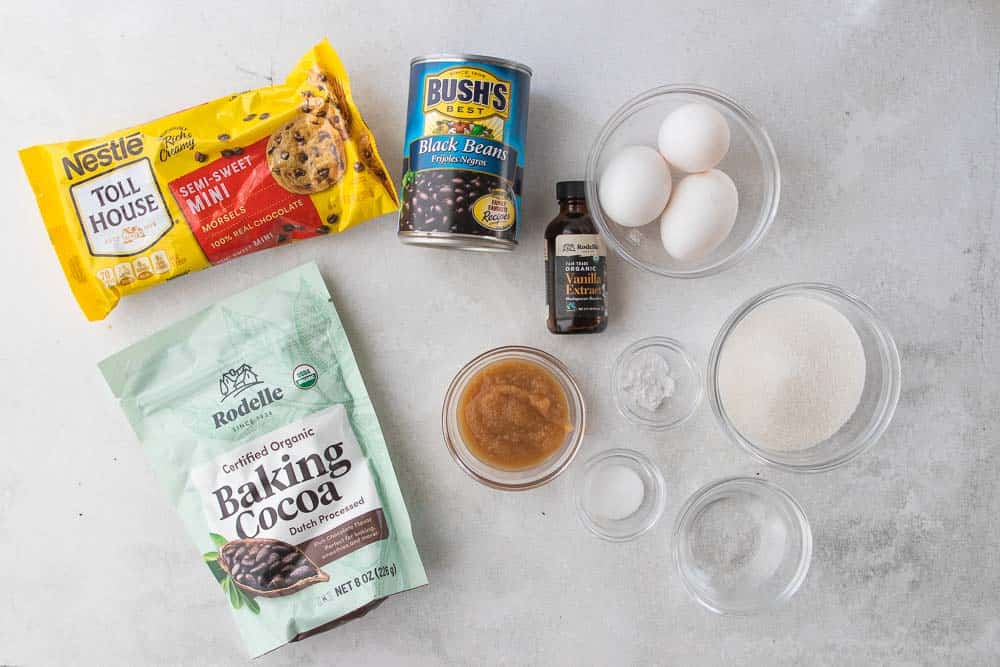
(888, 399)
(658, 480)
(574, 396)
(805, 529)
(758, 136)
(692, 366)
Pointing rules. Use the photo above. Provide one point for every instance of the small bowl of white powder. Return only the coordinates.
(620, 494)
(656, 383)
(804, 377)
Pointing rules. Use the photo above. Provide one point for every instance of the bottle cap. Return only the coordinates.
(571, 190)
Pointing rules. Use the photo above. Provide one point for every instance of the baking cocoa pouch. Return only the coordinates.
(256, 419)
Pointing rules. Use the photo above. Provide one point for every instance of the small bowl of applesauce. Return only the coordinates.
(513, 418)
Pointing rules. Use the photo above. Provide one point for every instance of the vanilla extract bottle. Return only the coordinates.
(575, 266)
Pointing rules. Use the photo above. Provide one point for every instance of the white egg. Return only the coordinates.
(635, 186)
(694, 138)
(700, 215)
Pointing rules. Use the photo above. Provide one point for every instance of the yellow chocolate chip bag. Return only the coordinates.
(216, 181)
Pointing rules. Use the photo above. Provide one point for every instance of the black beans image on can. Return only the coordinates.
(463, 154)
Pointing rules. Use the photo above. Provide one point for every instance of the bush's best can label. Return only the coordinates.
(463, 155)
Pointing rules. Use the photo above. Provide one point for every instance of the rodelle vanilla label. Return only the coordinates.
(121, 211)
(580, 245)
(579, 267)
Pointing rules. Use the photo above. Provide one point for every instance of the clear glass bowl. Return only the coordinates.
(742, 545)
(514, 480)
(688, 384)
(751, 162)
(878, 398)
(638, 522)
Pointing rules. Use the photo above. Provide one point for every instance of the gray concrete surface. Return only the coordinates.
(885, 117)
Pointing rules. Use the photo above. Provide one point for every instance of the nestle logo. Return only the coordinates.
(101, 155)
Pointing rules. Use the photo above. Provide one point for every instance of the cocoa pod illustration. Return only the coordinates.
(267, 567)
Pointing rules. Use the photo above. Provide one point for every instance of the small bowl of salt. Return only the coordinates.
(656, 383)
(620, 495)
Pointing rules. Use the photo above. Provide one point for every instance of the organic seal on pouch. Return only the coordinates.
(208, 184)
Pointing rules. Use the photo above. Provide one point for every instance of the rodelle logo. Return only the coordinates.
(581, 248)
(234, 382)
(467, 92)
(91, 159)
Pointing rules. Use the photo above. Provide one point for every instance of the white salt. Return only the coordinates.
(791, 373)
(615, 492)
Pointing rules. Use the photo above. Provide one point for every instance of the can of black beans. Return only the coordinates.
(463, 155)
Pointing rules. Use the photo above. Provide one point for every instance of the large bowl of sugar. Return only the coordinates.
(805, 377)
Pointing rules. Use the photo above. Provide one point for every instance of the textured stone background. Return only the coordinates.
(885, 118)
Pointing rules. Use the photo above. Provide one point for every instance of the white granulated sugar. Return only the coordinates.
(791, 373)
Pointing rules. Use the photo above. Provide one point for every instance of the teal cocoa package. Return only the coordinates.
(256, 419)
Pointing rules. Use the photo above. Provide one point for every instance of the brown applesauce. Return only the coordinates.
(513, 414)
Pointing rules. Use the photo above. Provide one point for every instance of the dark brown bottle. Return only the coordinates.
(575, 262)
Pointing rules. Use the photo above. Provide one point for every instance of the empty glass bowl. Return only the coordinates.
(742, 545)
(878, 399)
(751, 162)
(636, 378)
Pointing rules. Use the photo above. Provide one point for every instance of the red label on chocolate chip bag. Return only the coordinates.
(234, 206)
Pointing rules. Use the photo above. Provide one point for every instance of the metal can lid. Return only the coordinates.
(471, 57)
(456, 241)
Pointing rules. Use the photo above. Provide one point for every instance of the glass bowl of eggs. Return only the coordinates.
(683, 181)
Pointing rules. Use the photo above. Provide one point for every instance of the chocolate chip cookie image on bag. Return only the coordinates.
(370, 159)
(337, 107)
(307, 155)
